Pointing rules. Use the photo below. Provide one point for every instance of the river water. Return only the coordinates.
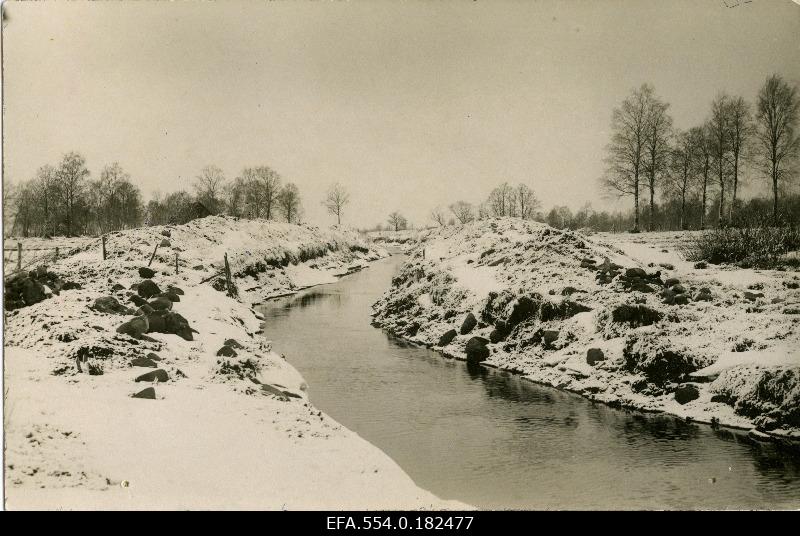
(494, 440)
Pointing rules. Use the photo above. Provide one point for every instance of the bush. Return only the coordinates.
(751, 243)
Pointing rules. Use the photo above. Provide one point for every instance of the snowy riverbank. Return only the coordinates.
(621, 323)
(223, 422)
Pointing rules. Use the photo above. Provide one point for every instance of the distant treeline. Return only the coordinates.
(64, 200)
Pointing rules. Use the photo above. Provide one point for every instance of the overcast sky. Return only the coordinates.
(408, 104)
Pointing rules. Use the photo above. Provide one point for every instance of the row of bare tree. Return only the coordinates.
(647, 155)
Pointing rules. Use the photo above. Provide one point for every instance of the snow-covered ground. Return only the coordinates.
(223, 431)
(619, 318)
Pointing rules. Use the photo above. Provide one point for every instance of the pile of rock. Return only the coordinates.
(637, 279)
(26, 288)
(674, 293)
(154, 313)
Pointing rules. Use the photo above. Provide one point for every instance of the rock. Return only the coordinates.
(447, 338)
(137, 300)
(561, 310)
(233, 343)
(109, 305)
(681, 299)
(198, 267)
(522, 309)
(635, 315)
(175, 290)
(476, 350)
(153, 356)
(166, 233)
(468, 324)
(633, 273)
(32, 291)
(148, 393)
(143, 362)
(496, 336)
(666, 265)
(148, 289)
(171, 296)
(702, 265)
(144, 310)
(170, 322)
(686, 393)
(161, 303)
(594, 355)
(671, 282)
(158, 375)
(791, 311)
(165, 243)
(146, 273)
(117, 287)
(227, 351)
(752, 296)
(549, 336)
(569, 291)
(135, 327)
(70, 285)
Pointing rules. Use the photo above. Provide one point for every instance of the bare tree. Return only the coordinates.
(439, 217)
(527, 203)
(657, 135)
(627, 149)
(47, 195)
(777, 134)
(681, 177)
(703, 145)
(209, 187)
(740, 128)
(335, 200)
(463, 211)
(289, 202)
(502, 201)
(71, 176)
(397, 221)
(265, 189)
(719, 130)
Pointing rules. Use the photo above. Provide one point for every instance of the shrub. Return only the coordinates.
(753, 242)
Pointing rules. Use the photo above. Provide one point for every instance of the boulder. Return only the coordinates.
(476, 350)
(157, 375)
(671, 282)
(166, 233)
(686, 393)
(144, 310)
(70, 285)
(109, 305)
(549, 336)
(148, 289)
(175, 290)
(32, 291)
(681, 299)
(635, 315)
(137, 300)
(143, 362)
(117, 287)
(227, 351)
(752, 296)
(678, 289)
(135, 327)
(233, 343)
(160, 303)
(522, 309)
(146, 273)
(148, 393)
(633, 273)
(468, 324)
(496, 336)
(153, 356)
(170, 322)
(594, 356)
(702, 265)
(165, 243)
(447, 338)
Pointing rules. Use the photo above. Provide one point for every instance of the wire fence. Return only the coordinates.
(25, 257)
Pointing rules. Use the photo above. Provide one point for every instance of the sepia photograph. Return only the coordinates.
(401, 264)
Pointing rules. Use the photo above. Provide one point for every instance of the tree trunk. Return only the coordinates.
(774, 194)
(683, 210)
(705, 196)
(652, 196)
(636, 204)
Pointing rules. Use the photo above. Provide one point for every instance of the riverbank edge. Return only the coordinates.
(37, 496)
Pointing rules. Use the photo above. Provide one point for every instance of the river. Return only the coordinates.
(494, 440)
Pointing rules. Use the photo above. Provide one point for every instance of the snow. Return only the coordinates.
(484, 266)
(223, 432)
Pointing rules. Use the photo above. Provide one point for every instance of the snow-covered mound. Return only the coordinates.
(567, 311)
(187, 407)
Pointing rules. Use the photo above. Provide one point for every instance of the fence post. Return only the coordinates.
(104, 247)
(153, 255)
(56, 258)
(228, 276)
(19, 255)
(176, 263)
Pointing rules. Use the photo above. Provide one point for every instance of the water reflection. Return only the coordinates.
(492, 439)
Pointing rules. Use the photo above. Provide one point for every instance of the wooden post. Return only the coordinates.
(176, 263)
(228, 284)
(153, 256)
(19, 255)
(56, 258)
(104, 247)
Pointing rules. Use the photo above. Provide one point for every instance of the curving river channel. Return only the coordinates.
(494, 440)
